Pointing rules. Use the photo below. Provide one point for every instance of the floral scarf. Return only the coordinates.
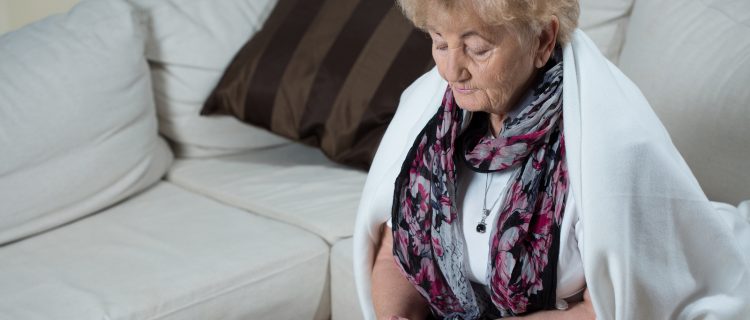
(428, 241)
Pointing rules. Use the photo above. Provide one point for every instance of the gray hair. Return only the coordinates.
(528, 17)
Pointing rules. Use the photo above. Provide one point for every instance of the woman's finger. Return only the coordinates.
(586, 295)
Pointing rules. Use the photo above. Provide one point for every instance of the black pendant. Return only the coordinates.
(481, 227)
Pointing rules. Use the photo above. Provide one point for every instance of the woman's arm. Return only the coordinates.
(392, 294)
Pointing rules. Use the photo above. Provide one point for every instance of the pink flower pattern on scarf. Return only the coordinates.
(524, 243)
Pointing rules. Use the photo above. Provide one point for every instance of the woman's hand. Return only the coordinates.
(583, 310)
(586, 307)
(393, 296)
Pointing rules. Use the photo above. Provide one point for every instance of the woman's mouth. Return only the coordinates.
(464, 90)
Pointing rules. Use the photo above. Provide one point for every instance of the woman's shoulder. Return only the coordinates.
(417, 104)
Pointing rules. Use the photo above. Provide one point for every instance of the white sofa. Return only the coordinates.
(118, 201)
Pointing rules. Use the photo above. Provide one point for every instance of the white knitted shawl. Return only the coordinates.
(654, 247)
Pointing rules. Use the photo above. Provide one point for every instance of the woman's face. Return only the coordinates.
(486, 66)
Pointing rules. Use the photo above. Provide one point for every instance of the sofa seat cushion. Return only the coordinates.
(344, 302)
(166, 254)
(293, 183)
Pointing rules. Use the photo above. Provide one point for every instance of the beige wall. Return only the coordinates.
(17, 13)
(4, 19)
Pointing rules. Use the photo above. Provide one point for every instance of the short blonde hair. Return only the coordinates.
(527, 17)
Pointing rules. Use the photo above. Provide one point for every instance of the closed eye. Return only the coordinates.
(441, 46)
(480, 52)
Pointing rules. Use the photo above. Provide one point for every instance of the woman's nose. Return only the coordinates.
(455, 70)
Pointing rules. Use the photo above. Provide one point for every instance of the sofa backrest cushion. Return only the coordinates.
(328, 73)
(691, 58)
(189, 44)
(605, 22)
(77, 119)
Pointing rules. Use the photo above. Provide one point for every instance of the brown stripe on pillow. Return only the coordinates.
(325, 72)
(266, 79)
(300, 74)
(263, 55)
(402, 71)
(340, 59)
(351, 110)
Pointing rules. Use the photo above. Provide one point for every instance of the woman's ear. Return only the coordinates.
(547, 41)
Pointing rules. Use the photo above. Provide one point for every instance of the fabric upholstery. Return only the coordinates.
(605, 22)
(77, 122)
(692, 61)
(166, 254)
(344, 303)
(744, 209)
(189, 44)
(325, 72)
(294, 183)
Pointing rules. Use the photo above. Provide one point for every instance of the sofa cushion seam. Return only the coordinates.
(230, 290)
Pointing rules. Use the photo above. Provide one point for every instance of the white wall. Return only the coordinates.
(4, 17)
(17, 13)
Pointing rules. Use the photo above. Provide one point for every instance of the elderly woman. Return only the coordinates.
(532, 179)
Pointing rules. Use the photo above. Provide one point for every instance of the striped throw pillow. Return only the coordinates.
(327, 73)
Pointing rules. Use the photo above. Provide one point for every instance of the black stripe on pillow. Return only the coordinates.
(265, 82)
(365, 100)
(339, 60)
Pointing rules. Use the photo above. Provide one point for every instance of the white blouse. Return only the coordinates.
(471, 184)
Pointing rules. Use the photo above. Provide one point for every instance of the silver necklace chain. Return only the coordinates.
(482, 225)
